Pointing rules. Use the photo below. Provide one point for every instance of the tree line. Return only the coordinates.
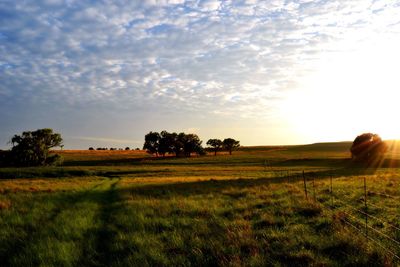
(113, 148)
(182, 144)
(32, 148)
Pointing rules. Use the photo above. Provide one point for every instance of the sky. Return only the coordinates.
(105, 73)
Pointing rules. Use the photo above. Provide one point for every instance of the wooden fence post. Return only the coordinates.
(305, 185)
(331, 193)
(313, 184)
(366, 208)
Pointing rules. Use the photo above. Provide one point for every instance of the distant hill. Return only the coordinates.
(329, 147)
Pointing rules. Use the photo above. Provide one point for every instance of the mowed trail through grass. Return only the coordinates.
(58, 228)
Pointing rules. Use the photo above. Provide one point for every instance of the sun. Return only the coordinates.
(349, 93)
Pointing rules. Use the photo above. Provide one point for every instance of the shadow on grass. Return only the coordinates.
(102, 254)
(80, 170)
(215, 186)
(27, 234)
(96, 241)
(60, 172)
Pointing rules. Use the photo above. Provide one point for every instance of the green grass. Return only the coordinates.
(207, 211)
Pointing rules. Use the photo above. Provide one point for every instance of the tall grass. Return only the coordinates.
(213, 211)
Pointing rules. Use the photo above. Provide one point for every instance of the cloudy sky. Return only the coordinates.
(104, 73)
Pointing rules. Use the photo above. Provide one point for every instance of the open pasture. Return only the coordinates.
(248, 209)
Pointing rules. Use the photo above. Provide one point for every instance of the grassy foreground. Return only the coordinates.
(243, 210)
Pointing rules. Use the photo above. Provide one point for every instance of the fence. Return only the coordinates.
(359, 220)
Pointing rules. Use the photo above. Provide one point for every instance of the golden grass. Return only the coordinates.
(100, 152)
(46, 185)
(5, 204)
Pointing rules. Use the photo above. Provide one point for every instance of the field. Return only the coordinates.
(126, 208)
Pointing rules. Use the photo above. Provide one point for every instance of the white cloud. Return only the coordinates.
(225, 57)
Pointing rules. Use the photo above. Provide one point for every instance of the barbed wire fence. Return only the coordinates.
(358, 220)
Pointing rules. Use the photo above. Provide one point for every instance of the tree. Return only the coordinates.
(367, 147)
(191, 144)
(165, 142)
(32, 148)
(178, 144)
(127, 148)
(91, 148)
(216, 144)
(5, 158)
(152, 142)
(231, 144)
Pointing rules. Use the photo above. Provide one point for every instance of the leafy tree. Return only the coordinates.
(367, 147)
(230, 144)
(127, 148)
(178, 144)
(91, 148)
(216, 144)
(32, 148)
(5, 158)
(152, 142)
(191, 144)
(167, 141)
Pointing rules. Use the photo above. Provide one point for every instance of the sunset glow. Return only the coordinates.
(352, 91)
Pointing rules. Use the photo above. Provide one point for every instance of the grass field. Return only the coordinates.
(124, 208)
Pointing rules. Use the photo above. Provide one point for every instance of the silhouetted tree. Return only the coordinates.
(91, 148)
(5, 158)
(216, 145)
(191, 144)
(32, 148)
(367, 147)
(127, 148)
(231, 144)
(178, 144)
(152, 142)
(166, 143)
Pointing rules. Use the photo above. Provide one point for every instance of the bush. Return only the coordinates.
(367, 147)
(55, 160)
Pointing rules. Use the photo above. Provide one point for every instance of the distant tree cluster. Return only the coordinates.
(180, 144)
(183, 144)
(112, 148)
(367, 147)
(32, 148)
(227, 144)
